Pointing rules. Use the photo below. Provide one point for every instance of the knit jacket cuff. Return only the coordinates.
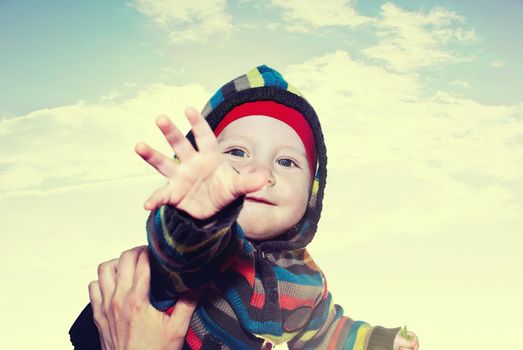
(224, 218)
(186, 230)
(382, 338)
(186, 252)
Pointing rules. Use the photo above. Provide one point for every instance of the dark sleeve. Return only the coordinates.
(83, 333)
(186, 253)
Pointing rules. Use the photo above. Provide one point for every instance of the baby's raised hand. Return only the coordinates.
(199, 182)
(406, 340)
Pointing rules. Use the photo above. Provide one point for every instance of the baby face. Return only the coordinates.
(268, 146)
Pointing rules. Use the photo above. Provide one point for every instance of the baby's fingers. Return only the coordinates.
(248, 183)
(179, 143)
(166, 166)
(406, 344)
(414, 342)
(414, 345)
(157, 199)
(203, 134)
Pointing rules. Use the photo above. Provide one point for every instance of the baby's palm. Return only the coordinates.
(201, 182)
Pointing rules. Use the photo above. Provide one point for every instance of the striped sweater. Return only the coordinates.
(252, 298)
(256, 293)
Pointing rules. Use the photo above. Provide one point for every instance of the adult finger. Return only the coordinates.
(203, 135)
(99, 317)
(178, 142)
(107, 281)
(125, 271)
(95, 296)
(165, 165)
(142, 277)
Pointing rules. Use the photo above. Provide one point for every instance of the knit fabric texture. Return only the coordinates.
(257, 293)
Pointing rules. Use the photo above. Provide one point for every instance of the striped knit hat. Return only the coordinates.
(266, 84)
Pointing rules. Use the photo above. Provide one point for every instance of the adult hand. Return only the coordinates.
(202, 182)
(123, 314)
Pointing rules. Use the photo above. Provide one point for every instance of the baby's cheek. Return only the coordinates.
(297, 204)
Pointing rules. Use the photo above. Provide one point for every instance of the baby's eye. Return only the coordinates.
(286, 162)
(236, 152)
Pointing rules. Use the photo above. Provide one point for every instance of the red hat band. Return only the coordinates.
(288, 115)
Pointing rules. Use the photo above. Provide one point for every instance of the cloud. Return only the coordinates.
(411, 40)
(421, 161)
(308, 16)
(497, 64)
(406, 40)
(187, 20)
(5, 115)
(82, 144)
(460, 83)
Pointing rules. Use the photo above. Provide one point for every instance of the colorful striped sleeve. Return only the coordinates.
(329, 329)
(186, 252)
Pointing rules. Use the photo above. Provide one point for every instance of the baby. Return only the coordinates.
(243, 200)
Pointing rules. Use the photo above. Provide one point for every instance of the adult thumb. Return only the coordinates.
(183, 310)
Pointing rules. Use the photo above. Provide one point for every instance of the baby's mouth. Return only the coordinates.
(258, 200)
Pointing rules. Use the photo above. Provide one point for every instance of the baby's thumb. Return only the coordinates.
(250, 183)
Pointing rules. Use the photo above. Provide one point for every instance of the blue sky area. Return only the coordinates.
(59, 52)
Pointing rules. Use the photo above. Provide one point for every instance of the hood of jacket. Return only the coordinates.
(265, 83)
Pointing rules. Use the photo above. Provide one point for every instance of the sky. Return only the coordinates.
(422, 112)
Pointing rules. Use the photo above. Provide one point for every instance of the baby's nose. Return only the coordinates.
(266, 172)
